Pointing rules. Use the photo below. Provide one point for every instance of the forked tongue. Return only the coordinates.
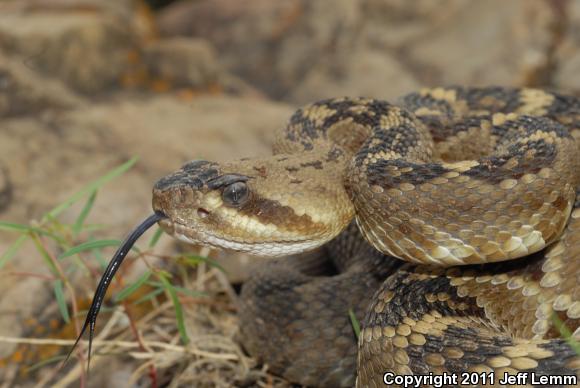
(112, 268)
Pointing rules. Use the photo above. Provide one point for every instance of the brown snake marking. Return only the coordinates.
(451, 179)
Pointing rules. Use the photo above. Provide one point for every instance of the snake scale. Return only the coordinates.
(453, 227)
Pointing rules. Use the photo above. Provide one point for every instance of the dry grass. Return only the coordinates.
(150, 346)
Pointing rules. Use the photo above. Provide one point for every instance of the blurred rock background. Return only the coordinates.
(87, 84)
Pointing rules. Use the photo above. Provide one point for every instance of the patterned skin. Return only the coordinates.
(450, 179)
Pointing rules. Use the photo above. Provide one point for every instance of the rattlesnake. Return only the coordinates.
(447, 180)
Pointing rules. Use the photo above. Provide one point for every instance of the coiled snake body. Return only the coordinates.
(475, 188)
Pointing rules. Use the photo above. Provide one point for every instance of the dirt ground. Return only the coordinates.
(85, 85)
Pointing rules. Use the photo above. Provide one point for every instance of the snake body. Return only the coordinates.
(474, 188)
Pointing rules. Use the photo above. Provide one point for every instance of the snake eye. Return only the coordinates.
(235, 194)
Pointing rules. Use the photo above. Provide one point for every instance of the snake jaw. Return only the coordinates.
(199, 235)
(264, 249)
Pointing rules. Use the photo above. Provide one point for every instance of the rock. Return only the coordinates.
(367, 73)
(115, 8)
(31, 295)
(24, 92)
(480, 46)
(273, 45)
(567, 51)
(300, 50)
(87, 50)
(183, 62)
(395, 24)
(48, 162)
(566, 77)
(209, 127)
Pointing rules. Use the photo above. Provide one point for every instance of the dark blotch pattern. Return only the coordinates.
(525, 126)
(316, 165)
(303, 129)
(334, 154)
(272, 212)
(409, 299)
(400, 139)
(478, 344)
(421, 173)
(197, 175)
(194, 174)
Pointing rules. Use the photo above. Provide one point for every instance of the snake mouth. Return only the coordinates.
(202, 236)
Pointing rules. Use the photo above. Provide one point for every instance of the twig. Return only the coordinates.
(29, 274)
(142, 345)
(121, 344)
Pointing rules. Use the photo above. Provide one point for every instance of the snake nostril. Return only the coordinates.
(202, 213)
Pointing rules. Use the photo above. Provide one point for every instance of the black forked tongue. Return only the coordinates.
(112, 268)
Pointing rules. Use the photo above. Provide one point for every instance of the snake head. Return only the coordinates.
(262, 206)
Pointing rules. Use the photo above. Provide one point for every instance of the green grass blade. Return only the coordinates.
(155, 237)
(177, 305)
(354, 322)
(78, 225)
(191, 293)
(61, 300)
(125, 292)
(92, 245)
(181, 290)
(100, 259)
(149, 296)
(45, 255)
(93, 227)
(89, 188)
(194, 260)
(566, 333)
(12, 249)
(164, 273)
(21, 228)
(47, 361)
